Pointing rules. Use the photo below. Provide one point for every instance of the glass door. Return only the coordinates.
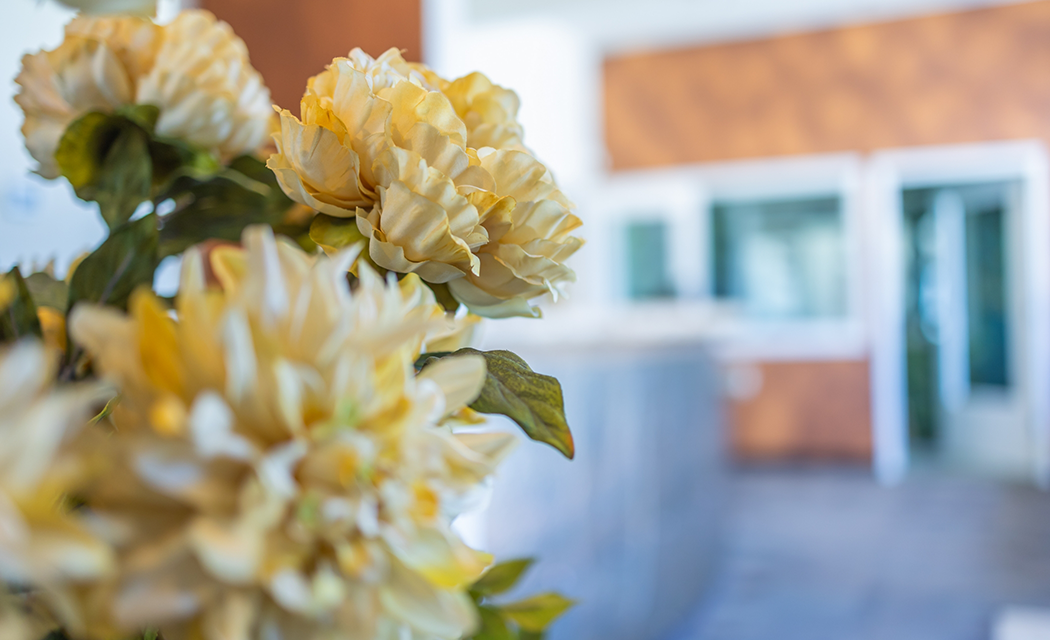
(966, 403)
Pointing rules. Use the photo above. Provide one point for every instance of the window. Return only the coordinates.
(781, 259)
(647, 259)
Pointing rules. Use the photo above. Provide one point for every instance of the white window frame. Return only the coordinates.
(682, 197)
(887, 174)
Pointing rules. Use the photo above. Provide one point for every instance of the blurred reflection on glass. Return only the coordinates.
(781, 259)
(647, 258)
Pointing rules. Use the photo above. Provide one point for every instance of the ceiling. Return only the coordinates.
(623, 25)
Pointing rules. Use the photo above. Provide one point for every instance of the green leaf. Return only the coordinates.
(124, 261)
(501, 577)
(84, 145)
(126, 178)
(493, 626)
(425, 358)
(444, 297)
(532, 400)
(18, 319)
(525, 634)
(254, 168)
(174, 158)
(332, 234)
(47, 291)
(218, 207)
(144, 115)
(538, 612)
(106, 158)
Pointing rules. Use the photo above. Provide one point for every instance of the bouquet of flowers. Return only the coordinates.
(278, 451)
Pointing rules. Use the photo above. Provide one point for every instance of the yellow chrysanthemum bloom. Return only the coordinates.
(41, 541)
(376, 143)
(207, 90)
(194, 69)
(402, 150)
(529, 222)
(489, 112)
(279, 470)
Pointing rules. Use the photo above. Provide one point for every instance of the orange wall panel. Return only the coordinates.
(954, 78)
(805, 410)
(291, 41)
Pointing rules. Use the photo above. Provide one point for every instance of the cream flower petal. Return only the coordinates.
(489, 111)
(281, 447)
(229, 552)
(428, 610)
(460, 379)
(315, 168)
(83, 74)
(207, 90)
(40, 541)
(441, 558)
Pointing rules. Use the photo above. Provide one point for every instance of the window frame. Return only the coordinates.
(682, 197)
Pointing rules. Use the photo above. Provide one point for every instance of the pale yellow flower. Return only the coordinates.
(437, 177)
(94, 69)
(207, 90)
(489, 112)
(308, 481)
(377, 141)
(194, 69)
(41, 542)
(529, 222)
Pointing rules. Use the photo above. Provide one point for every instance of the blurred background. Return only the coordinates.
(808, 359)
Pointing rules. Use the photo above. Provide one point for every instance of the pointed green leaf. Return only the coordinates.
(538, 612)
(47, 291)
(126, 260)
(333, 234)
(493, 626)
(501, 577)
(144, 115)
(174, 158)
(18, 317)
(106, 158)
(126, 178)
(83, 148)
(217, 207)
(532, 400)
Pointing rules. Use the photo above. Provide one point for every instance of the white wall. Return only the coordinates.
(40, 219)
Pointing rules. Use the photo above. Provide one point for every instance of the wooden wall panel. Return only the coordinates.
(291, 40)
(964, 77)
(805, 410)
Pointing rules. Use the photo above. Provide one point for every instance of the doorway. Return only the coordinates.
(958, 262)
(964, 335)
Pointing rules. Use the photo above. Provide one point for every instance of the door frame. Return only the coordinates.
(888, 172)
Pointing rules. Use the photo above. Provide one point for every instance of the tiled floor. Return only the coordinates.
(819, 554)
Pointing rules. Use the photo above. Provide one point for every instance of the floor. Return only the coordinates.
(826, 554)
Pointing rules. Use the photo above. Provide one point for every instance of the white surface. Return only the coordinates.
(625, 25)
(1022, 623)
(40, 220)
